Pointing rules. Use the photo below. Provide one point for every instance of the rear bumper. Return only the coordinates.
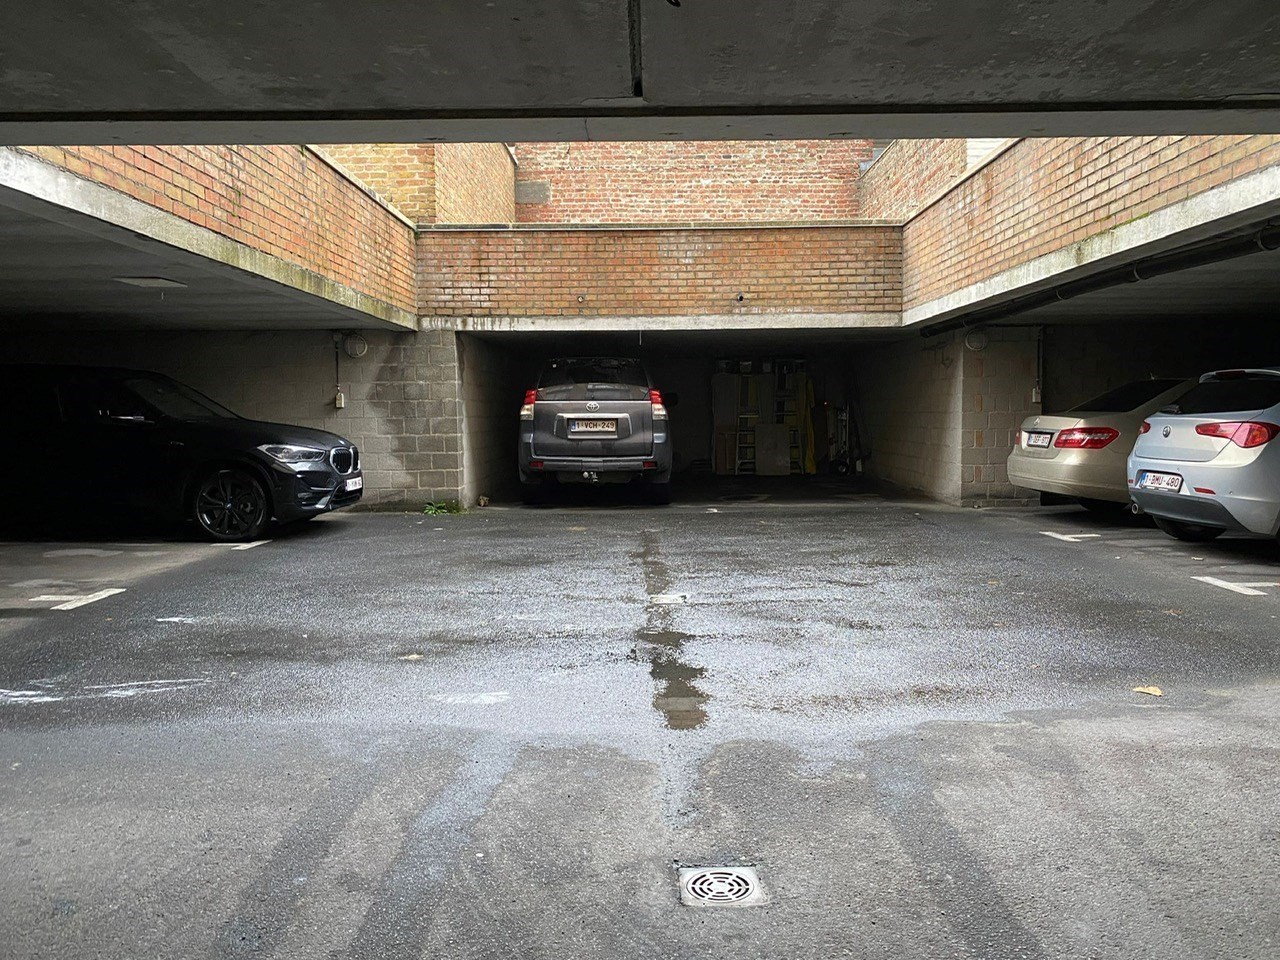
(573, 468)
(1242, 507)
(1068, 478)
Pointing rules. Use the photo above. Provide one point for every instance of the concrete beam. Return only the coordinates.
(701, 323)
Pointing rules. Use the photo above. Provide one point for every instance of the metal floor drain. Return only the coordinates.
(720, 887)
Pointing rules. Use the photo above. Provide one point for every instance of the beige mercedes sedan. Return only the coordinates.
(1082, 453)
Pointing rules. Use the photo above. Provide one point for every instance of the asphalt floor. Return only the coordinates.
(503, 734)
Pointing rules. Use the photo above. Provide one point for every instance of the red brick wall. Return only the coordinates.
(909, 174)
(1042, 196)
(403, 174)
(283, 201)
(518, 272)
(721, 181)
(475, 183)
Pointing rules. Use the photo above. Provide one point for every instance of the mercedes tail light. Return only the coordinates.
(526, 410)
(1085, 438)
(1247, 434)
(659, 409)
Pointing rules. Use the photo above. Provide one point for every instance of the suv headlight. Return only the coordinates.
(288, 453)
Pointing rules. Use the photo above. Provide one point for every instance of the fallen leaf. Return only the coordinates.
(1149, 691)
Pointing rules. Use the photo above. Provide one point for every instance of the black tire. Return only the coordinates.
(230, 505)
(1190, 532)
(659, 494)
(1102, 507)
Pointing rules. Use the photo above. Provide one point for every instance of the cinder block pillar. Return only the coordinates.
(999, 379)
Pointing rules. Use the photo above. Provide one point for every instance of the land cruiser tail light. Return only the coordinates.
(1248, 434)
(526, 410)
(659, 409)
(1087, 438)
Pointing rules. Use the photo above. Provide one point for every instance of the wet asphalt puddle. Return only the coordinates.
(678, 698)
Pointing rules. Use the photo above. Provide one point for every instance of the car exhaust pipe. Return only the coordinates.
(1136, 510)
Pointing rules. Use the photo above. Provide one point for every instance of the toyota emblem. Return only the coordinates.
(1166, 431)
(592, 407)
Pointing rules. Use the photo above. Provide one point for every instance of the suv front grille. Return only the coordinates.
(343, 459)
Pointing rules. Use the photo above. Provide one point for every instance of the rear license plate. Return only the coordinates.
(1160, 481)
(1038, 439)
(594, 426)
(355, 483)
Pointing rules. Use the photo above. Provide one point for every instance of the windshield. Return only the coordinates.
(1226, 396)
(175, 400)
(1126, 398)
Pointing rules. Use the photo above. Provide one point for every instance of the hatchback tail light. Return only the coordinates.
(1086, 438)
(1248, 434)
(530, 398)
(1146, 427)
(659, 409)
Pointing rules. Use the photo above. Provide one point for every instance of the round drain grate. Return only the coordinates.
(719, 886)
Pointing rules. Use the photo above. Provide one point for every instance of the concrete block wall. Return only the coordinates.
(998, 384)
(491, 391)
(689, 182)
(286, 201)
(403, 407)
(909, 398)
(628, 273)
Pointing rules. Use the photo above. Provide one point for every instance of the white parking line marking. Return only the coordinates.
(668, 599)
(71, 602)
(1071, 537)
(250, 546)
(1246, 588)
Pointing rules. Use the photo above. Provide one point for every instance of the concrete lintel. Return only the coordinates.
(691, 322)
(43, 189)
(1218, 210)
(763, 122)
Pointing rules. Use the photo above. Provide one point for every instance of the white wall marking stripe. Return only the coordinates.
(1236, 587)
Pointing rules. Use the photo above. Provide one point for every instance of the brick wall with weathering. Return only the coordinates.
(403, 409)
(1042, 196)
(629, 273)
(282, 200)
(403, 174)
(717, 181)
(909, 174)
(475, 183)
(436, 183)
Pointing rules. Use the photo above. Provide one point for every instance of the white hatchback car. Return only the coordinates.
(1210, 462)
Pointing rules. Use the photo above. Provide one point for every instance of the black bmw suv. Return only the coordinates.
(98, 439)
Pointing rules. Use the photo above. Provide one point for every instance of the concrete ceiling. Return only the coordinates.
(62, 275)
(1247, 288)
(332, 70)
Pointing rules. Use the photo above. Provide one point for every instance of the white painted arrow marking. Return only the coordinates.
(1246, 588)
(71, 602)
(1071, 537)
